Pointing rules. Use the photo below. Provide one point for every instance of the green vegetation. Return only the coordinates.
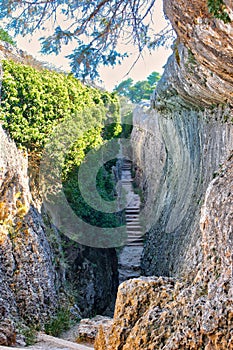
(4, 36)
(29, 333)
(30, 336)
(218, 9)
(59, 323)
(35, 102)
(106, 189)
(139, 91)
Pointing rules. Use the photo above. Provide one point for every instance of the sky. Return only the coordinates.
(110, 76)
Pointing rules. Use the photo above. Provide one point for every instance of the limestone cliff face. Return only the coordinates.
(177, 155)
(28, 280)
(180, 144)
(168, 313)
(182, 151)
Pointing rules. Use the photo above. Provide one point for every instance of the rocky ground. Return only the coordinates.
(46, 342)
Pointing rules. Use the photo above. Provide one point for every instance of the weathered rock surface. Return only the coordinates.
(93, 275)
(33, 272)
(29, 281)
(177, 155)
(166, 313)
(86, 330)
(180, 144)
(183, 156)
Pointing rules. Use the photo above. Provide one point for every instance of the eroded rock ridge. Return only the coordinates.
(183, 151)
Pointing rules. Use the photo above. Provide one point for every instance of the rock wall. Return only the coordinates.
(168, 313)
(177, 155)
(180, 145)
(40, 269)
(29, 280)
(183, 162)
(93, 275)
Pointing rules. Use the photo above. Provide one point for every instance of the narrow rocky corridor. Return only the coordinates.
(129, 259)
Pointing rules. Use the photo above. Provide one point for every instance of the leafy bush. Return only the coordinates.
(4, 36)
(34, 102)
(105, 187)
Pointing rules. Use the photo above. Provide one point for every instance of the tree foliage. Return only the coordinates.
(35, 101)
(139, 91)
(4, 36)
(95, 26)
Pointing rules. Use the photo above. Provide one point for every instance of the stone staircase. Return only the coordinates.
(129, 259)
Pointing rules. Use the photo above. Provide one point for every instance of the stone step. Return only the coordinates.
(134, 221)
(132, 209)
(137, 236)
(133, 226)
(133, 244)
(134, 234)
(132, 212)
(133, 239)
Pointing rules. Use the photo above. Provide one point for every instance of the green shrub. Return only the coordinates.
(35, 101)
(4, 36)
(29, 334)
(218, 9)
(59, 323)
